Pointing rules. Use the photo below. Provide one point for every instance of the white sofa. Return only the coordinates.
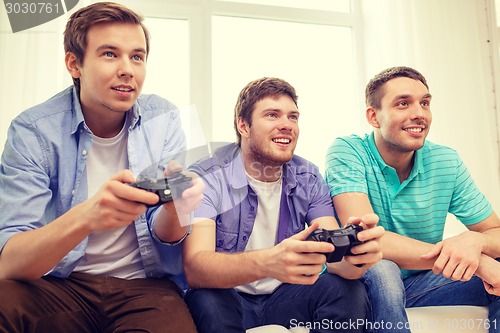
(430, 319)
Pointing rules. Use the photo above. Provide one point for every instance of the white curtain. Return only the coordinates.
(447, 41)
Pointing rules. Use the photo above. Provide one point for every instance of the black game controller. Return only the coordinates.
(343, 240)
(167, 189)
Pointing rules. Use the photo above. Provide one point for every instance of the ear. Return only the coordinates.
(243, 128)
(72, 65)
(371, 117)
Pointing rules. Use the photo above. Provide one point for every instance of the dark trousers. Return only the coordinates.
(332, 304)
(85, 303)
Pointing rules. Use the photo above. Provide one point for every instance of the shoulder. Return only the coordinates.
(302, 170)
(222, 157)
(151, 105)
(60, 103)
(433, 153)
(352, 142)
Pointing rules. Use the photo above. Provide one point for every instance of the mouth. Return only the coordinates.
(284, 141)
(415, 130)
(124, 89)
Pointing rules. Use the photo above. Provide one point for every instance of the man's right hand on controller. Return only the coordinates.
(116, 204)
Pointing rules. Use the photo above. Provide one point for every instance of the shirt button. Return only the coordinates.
(84, 152)
(73, 192)
(244, 238)
(252, 208)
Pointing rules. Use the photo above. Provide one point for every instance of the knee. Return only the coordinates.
(384, 279)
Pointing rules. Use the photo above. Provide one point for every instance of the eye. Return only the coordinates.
(426, 103)
(402, 103)
(109, 54)
(294, 117)
(272, 115)
(137, 57)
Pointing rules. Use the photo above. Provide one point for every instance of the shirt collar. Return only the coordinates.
(417, 159)
(79, 120)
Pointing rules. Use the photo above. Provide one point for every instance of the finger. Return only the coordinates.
(434, 252)
(371, 234)
(370, 220)
(133, 194)
(446, 269)
(458, 273)
(440, 263)
(306, 232)
(172, 167)
(489, 288)
(468, 274)
(353, 220)
(124, 176)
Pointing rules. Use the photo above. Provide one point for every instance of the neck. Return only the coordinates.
(401, 161)
(260, 168)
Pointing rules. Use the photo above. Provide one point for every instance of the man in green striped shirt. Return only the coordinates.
(412, 184)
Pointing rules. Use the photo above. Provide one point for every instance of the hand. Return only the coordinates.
(191, 197)
(457, 257)
(297, 261)
(489, 272)
(367, 254)
(116, 204)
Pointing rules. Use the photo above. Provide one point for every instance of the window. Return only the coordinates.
(239, 41)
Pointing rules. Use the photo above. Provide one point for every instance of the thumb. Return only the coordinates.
(306, 232)
(434, 252)
(124, 176)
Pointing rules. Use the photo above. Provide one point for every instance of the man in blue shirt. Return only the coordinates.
(80, 251)
(247, 259)
(412, 184)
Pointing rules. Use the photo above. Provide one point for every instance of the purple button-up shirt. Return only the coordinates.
(232, 204)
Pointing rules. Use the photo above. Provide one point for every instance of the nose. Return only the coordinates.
(418, 112)
(285, 124)
(125, 68)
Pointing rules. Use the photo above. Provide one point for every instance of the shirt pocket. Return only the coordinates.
(226, 241)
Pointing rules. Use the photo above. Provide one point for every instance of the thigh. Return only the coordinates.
(216, 310)
(48, 304)
(144, 305)
(429, 289)
(331, 301)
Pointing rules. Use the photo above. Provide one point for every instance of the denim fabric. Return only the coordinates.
(389, 295)
(332, 304)
(43, 174)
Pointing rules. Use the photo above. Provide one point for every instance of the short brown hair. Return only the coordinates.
(78, 25)
(374, 89)
(255, 91)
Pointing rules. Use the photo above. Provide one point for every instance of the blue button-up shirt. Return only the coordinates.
(231, 203)
(43, 174)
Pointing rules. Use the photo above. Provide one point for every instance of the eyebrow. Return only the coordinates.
(112, 47)
(410, 96)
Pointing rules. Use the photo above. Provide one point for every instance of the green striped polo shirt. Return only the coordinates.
(417, 208)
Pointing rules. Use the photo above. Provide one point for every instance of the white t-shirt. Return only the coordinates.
(265, 229)
(111, 252)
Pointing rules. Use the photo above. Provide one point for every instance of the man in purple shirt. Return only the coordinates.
(246, 259)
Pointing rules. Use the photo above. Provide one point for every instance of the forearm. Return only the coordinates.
(491, 245)
(31, 254)
(224, 270)
(170, 226)
(405, 251)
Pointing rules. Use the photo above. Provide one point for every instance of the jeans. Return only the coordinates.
(332, 304)
(390, 295)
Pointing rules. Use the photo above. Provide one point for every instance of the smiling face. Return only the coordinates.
(112, 71)
(404, 118)
(271, 139)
